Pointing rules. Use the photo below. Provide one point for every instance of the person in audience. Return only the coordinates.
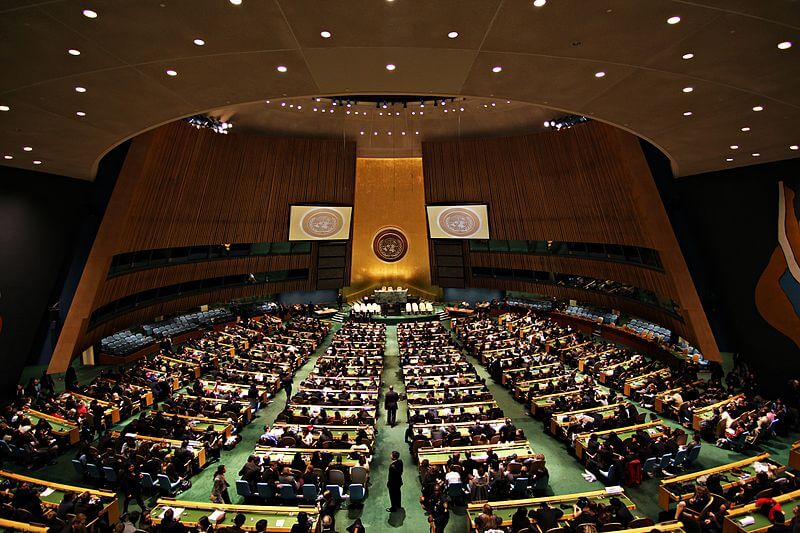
(520, 520)
(219, 491)
(547, 517)
(303, 524)
(487, 520)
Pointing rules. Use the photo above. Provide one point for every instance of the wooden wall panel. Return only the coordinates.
(181, 187)
(589, 183)
(124, 285)
(645, 278)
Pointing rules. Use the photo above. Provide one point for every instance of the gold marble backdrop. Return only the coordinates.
(390, 194)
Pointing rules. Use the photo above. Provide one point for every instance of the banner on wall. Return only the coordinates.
(319, 223)
(458, 221)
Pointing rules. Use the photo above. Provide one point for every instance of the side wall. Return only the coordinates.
(587, 184)
(181, 187)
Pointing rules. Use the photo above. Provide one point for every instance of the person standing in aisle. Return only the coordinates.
(394, 482)
(286, 384)
(390, 404)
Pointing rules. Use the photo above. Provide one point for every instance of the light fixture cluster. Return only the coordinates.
(565, 122)
(211, 123)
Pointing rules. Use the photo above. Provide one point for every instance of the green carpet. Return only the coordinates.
(565, 470)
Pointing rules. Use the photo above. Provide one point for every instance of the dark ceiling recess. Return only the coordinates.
(388, 100)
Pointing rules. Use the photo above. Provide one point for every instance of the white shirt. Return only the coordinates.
(453, 477)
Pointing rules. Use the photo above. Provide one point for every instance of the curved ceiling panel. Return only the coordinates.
(549, 57)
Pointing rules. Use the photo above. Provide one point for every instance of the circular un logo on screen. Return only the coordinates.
(459, 222)
(390, 245)
(322, 223)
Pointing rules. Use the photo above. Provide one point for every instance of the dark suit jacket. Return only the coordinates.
(395, 474)
(390, 400)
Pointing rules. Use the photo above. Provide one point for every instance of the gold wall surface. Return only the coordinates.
(389, 193)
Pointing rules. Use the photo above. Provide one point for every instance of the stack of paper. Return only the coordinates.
(615, 489)
(216, 517)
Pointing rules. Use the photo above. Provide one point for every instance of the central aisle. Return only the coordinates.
(374, 514)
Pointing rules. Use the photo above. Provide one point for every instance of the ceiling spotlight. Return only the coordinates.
(785, 45)
(416, 133)
(497, 69)
(756, 154)
(374, 132)
(325, 34)
(281, 68)
(37, 162)
(316, 109)
(80, 89)
(729, 159)
(299, 107)
(461, 109)
(362, 133)
(283, 104)
(74, 52)
(390, 133)
(4, 108)
(172, 72)
(673, 20)
(687, 113)
(539, 3)
(27, 148)
(546, 123)
(746, 129)
(236, 2)
(687, 56)
(291, 105)
(600, 74)
(758, 108)
(80, 113)
(199, 42)
(8, 157)
(89, 14)
(453, 34)
(734, 147)
(688, 89)
(390, 66)
(793, 147)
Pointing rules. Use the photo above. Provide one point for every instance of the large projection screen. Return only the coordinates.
(319, 223)
(458, 221)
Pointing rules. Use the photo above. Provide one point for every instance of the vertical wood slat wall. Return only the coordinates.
(181, 187)
(589, 184)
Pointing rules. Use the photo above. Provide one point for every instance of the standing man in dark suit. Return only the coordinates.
(390, 404)
(394, 482)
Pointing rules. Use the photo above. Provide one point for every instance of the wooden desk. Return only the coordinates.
(63, 428)
(562, 420)
(200, 423)
(731, 525)
(10, 525)
(506, 509)
(634, 384)
(279, 518)
(440, 456)
(704, 412)
(285, 455)
(108, 498)
(111, 410)
(668, 494)
(199, 452)
(654, 429)
(522, 387)
(794, 455)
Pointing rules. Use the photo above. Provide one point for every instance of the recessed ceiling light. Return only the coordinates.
(281, 68)
(172, 72)
(755, 154)
(785, 45)
(600, 74)
(199, 42)
(4, 108)
(734, 147)
(453, 34)
(74, 52)
(793, 147)
(236, 2)
(390, 66)
(539, 3)
(80, 89)
(746, 129)
(316, 109)
(283, 104)
(80, 113)
(8, 157)
(390, 133)
(416, 133)
(27, 148)
(729, 159)
(688, 89)
(37, 162)
(497, 69)
(325, 34)
(673, 20)
(374, 132)
(299, 107)
(758, 108)
(89, 14)
(687, 113)
(687, 56)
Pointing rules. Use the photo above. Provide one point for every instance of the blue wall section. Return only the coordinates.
(471, 295)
